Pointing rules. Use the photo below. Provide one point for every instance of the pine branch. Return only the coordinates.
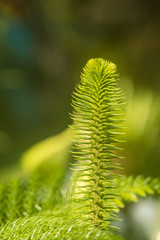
(60, 228)
(20, 198)
(130, 189)
(98, 104)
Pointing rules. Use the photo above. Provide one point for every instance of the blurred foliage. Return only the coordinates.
(50, 155)
(23, 197)
(142, 148)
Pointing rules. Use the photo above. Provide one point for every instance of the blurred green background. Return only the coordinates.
(45, 44)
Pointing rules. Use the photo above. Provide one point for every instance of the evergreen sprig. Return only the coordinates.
(98, 104)
(130, 189)
(48, 228)
(25, 197)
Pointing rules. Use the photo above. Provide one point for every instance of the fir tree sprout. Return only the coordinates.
(98, 104)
